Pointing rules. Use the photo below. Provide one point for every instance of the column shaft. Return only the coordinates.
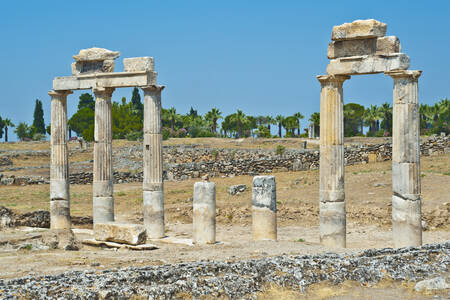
(204, 213)
(59, 163)
(153, 189)
(264, 208)
(406, 202)
(103, 201)
(331, 194)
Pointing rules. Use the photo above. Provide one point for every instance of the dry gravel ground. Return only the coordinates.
(368, 195)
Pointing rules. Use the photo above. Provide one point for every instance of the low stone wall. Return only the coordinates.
(185, 162)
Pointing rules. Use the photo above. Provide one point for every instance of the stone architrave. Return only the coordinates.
(153, 188)
(359, 29)
(59, 163)
(264, 208)
(406, 201)
(375, 46)
(103, 201)
(368, 64)
(331, 195)
(204, 213)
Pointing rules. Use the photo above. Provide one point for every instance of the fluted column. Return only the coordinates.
(103, 201)
(59, 163)
(332, 219)
(153, 189)
(406, 202)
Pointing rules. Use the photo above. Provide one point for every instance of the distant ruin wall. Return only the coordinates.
(181, 163)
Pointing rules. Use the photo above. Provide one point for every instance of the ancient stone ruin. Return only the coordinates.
(94, 69)
(361, 47)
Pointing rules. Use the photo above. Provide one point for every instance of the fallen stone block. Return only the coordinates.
(368, 64)
(438, 283)
(92, 242)
(131, 234)
(236, 189)
(61, 239)
(359, 29)
(374, 46)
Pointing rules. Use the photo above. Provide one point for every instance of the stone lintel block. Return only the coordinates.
(134, 64)
(105, 80)
(374, 46)
(264, 192)
(359, 29)
(368, 64)
(332, 225)
(406, 222)
(406, 180)
(131, 234)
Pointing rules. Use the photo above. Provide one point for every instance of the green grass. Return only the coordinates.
(300, 240)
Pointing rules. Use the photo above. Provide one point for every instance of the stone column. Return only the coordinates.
(204, 214)
(59, 163)
(332, 220)
(153, 189)
(406, 202)
(264, 208)
(103, 209)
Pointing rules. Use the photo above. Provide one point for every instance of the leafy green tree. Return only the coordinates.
(353, 119)
(212, 117)
(38, 118)
(263, 132)
(7, 123)
(125, 121)
(2, 125)
(86, 100)
(279, 119)
(82, 122)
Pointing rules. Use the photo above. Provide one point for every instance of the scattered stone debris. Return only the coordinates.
(437, 283)
(240, 279)
(237, 189)
(61, 239)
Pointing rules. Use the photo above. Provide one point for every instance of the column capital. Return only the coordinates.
(332, 79)
(412, 74)
(60, 93)
(153, 88)
(102, 91)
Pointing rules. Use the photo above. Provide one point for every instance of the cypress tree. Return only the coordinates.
(136, 103)
(38, 117)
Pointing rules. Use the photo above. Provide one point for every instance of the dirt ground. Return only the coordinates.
(368, 195)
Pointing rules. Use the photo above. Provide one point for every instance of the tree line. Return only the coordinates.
(127, 121)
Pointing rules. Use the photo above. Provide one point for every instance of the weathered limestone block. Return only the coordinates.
(374, 46)
(406, 180)
(359, 29)
(94, 60)
(406, 222)
(332, 224)
(264, 208)
(135, 64)
(368, 64)
(204, 213)
(61, 239)
(131, 234)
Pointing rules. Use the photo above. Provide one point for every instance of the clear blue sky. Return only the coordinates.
(258, 56)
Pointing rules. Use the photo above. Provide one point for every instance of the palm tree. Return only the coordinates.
(7, 122)
(212, 116)
(239, 117)
(270, 121)
(290, 124)
(299, 116)
(371, 116)
(279, 119)
(315, 119)
(386, 111)
(172, 114)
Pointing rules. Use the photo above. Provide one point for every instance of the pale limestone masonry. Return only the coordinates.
(94, 69)
(264, 208)
(153, 191)
(360, 47)
(59, 164)
(204, 213)
(406, 201)
(130, 234)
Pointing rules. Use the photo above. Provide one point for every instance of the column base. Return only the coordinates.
(406, 222)
(154, 214)
(264, 224)
(60, 214)
(332, 224)
(103, 210)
